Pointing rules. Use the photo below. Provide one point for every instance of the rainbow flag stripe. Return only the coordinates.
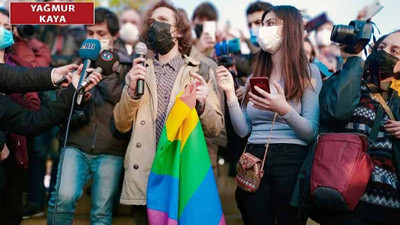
(181, 187)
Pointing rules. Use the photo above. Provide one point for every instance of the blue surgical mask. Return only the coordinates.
(6, 38)
(254, 36)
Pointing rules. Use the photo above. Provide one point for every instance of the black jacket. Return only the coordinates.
(97, 133)
(14, 118)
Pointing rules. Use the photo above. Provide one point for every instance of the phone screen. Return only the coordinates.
(261, 82)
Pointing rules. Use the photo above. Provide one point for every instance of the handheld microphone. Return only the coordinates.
(141, 51)
(106, 64)
(89, 51)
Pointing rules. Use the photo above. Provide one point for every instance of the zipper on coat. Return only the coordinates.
(94, 137)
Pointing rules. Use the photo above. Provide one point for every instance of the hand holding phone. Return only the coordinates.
(261, 82)
(210, 27)
(373, 9)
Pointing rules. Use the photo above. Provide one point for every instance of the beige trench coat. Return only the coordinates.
(140, 117)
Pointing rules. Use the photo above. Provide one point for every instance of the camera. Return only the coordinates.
(354, 36)
(226, 47)
(26, 31)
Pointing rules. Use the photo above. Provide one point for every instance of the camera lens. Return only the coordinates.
(342, 34)
(26, 31)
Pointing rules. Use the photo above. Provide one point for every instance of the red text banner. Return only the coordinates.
(52, 13)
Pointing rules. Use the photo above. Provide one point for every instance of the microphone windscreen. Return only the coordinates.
(108, 61)
(90, 49)
(141, 48)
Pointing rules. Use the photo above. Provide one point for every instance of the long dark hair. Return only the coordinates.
(295, 67)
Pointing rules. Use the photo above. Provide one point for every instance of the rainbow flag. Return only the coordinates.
(181, 187)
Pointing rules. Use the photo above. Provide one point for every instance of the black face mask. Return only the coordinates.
(198, 29)
(160, 38)
(379, 66)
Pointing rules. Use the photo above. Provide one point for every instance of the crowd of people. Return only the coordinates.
(315, 87)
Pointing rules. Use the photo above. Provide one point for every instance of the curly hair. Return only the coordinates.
(182, 25)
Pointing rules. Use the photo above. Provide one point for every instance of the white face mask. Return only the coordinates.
(129, 33)
(269, 39)
(323, 37)
(105, 44)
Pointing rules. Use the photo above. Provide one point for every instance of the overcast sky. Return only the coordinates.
(340, 11)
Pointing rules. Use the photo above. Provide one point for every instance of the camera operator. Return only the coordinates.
(29, 48)
(348, 103)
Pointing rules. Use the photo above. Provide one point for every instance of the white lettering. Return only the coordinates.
(46, 8)
(55, 8)
(52, 19)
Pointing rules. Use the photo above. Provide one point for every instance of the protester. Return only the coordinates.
(204, 42)
(130, 22)
(254, 13)
(345, 98)
(63, 41)
(295, 85)
(94, 148)
(328, 52)
(309, 49)
(168, 34)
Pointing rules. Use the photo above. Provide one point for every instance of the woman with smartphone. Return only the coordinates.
(287, 102)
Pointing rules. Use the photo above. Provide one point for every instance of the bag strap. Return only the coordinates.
(382, 102)
(385, 106)
(379, 113)
(269, 140)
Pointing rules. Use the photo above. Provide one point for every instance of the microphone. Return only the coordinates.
(106, 64)
(89, 51)
(141, 51)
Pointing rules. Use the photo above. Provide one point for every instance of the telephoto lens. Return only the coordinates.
(354, 36)
(26, 31)
(342, 34)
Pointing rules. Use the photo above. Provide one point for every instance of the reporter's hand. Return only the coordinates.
(4, 153)
(393, 127)
(226, 83)
(205, 42)
(94, 77)
(59, 72)
(275, 103)
(138, 72)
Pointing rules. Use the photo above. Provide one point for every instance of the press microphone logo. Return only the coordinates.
(107, 56)
(89, 46)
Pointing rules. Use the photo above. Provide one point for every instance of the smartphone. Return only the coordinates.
(316, 22)
(261, 82)
(210, 27)
(373, 9)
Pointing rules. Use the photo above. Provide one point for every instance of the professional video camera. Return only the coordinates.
(26, 31)
(354, 36)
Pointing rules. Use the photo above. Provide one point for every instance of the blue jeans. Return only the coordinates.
(76, 169)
